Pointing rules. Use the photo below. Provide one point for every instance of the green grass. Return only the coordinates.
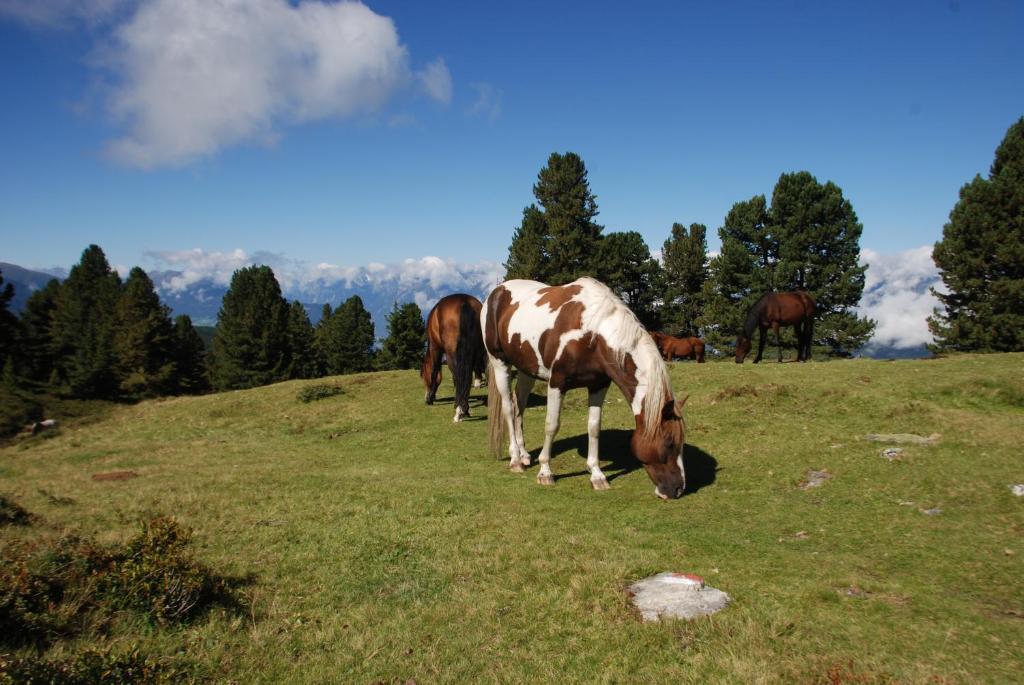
(385, 543)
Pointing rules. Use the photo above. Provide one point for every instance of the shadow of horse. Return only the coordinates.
(701, 468)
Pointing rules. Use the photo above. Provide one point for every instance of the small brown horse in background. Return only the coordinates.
(773, 310)
(453, 331)
(672, 347)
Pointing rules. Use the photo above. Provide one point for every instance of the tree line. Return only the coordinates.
(94, 336)
(806, 238)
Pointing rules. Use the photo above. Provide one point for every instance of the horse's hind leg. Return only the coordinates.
(510, 409)
(551, 424)
(808, 336)
(778, 339)
(523, 387)
(596, 400)
(435, 373)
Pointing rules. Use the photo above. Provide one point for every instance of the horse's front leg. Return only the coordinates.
(760, 345)
(778, 339)
(551, 423)
(595, 401)
(798, 329)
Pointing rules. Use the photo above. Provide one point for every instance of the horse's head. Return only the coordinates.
(661, 451)
(742, 348)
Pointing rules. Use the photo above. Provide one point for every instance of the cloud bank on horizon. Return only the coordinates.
(896, 292)
(191, 77)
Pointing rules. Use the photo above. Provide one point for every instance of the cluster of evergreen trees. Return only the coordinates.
(260, 338)
(808, 238)
(94, 336)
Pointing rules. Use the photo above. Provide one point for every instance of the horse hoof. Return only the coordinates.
(545, 480)
(516, 468)
(600, 484)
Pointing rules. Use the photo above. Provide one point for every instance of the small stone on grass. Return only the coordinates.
(676, 595)
(1017, 489)
(892, 453)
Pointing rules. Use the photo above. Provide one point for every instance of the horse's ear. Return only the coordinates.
(679, 406)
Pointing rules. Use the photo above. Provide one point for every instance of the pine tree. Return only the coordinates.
(527, 255)
(189, 352)
(563, 190)
(685, 262)
(623, 262)
(819, 251)
(349, 338)
(35, 333)
(809, 238)
(743, 271)
(143, 338)
(981, 258)
(83, 330)
(404, 347)
(8, 322)
(321, 341)
(301, 343)
(250, 345)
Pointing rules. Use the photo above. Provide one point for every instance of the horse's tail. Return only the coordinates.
(496, 427)
(467, 351)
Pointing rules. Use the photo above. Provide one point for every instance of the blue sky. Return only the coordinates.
(427, 139)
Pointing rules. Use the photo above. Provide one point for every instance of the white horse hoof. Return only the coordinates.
(545, 479)
(516, 467)
(600, 484)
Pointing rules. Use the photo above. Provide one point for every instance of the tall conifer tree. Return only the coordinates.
(301, 343)
(349, 338)
(685, 263)
(563, 190)
(35, 333)
(528, 255)
(143, 338)
(404, 346)
(623, 262)
(83, 330)
(8, 322)
(981, 258)
(191, 377)
(250, 345)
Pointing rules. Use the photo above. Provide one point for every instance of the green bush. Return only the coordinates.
(12, 513)
(318, 392)
(16, 410)
(156, 575)
(90, 668)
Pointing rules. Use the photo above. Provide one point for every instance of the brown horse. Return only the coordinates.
(672, 347)
(579, 335)
(774, 310)
(453, 331)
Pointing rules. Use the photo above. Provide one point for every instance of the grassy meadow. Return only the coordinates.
(376, 541)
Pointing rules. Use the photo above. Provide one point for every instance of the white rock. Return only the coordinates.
(676, 595)
(1017, 489)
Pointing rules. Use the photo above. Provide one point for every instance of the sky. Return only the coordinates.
(174, 132)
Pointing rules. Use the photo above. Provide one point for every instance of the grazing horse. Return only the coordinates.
(453, 331)
(685, 348)
(579, 335)
(773, 310)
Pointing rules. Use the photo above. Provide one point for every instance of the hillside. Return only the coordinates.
(383, 543)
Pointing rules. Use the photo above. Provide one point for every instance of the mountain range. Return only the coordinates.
(897, 292)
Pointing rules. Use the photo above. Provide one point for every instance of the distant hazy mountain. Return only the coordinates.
(896, 293)
(26, 282)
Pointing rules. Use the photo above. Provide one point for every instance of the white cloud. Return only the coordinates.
(436, 81)
(61, 13)
(488, 102)
(197, 265)
(897, 296)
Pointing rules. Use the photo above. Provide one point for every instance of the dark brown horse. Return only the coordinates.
(774, 310)
(453, 331)
(672, 347)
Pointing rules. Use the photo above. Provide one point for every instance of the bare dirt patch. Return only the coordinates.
(115, 475)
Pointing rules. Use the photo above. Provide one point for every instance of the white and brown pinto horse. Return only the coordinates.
(579, 335)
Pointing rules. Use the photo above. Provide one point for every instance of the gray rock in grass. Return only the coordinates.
(676, 595)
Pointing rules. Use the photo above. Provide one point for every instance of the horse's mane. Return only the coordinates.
(753, 314)
(606, 313)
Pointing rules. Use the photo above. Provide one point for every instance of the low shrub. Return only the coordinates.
(12, 513)
(155, 574)
(89, 668)
(318, 392)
